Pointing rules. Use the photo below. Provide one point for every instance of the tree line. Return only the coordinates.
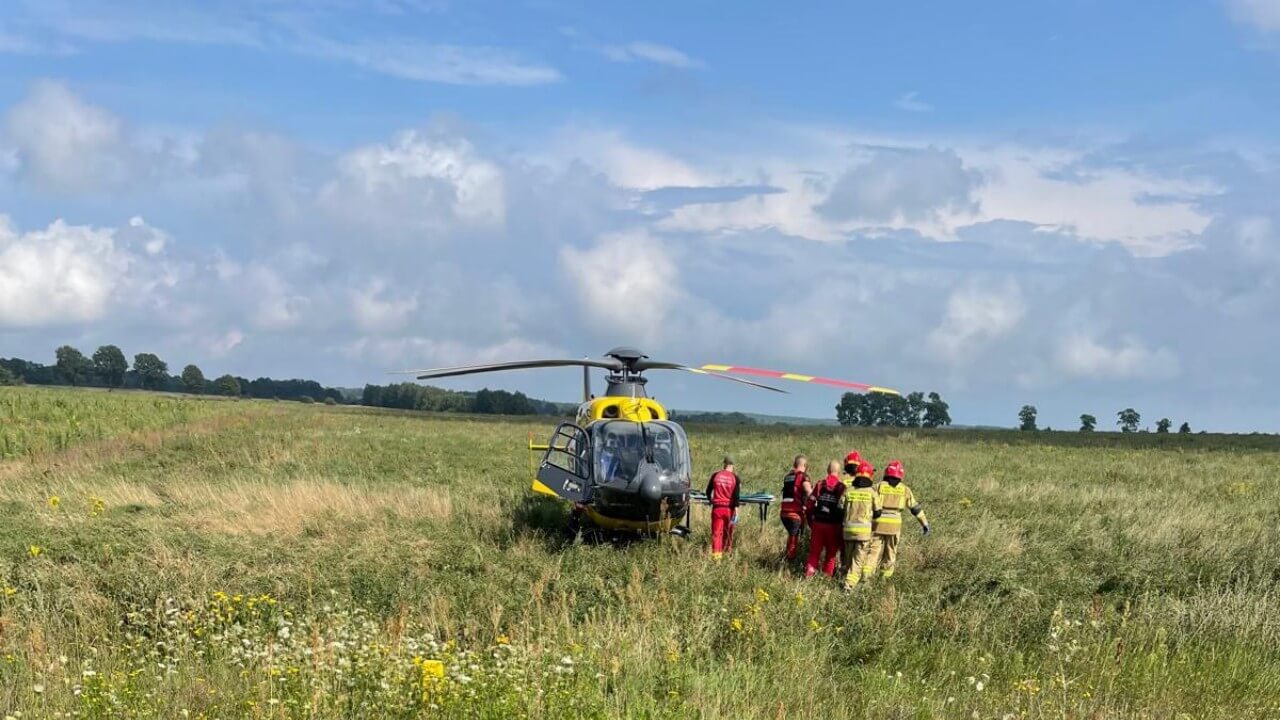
(1128, 420)
(411, 396)
(109, 368)
(882, 409)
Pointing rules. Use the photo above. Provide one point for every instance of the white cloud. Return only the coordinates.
(227, 342)
(68, 274)
(898, 185)
(650, 52)
(439, 63)
(377, 310)
(424, 352)
(1081, 355)
(65, 144)
(276, 304)
(1149, 215)
(422, 180)
(1261, 14)
(911, 102)
(289, 29)
(630, 165)
(627, 284)
(974, 317)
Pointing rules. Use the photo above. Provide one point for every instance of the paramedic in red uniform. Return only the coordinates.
(796, 489)
(826, 522)
(723, 492)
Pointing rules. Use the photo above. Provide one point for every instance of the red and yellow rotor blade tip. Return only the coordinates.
(780, 375)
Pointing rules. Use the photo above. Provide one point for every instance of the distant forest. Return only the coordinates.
(109, 368)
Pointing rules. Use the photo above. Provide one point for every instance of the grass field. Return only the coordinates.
(165, 558)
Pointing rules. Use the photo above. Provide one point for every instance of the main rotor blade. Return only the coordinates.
(659, 365)
(777, 374)
(515, 365)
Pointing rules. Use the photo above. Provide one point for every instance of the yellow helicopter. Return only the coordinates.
(623, 464)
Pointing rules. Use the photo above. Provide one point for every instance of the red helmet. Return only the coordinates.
(854, 458)
(866, 469)
(894, 470)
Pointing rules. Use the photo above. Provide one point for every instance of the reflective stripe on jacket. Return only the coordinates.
(861, 503)
(894, 498)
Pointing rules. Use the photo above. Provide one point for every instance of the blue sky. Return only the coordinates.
(1068, 204)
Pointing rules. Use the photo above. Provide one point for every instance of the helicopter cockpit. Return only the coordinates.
(621, 446)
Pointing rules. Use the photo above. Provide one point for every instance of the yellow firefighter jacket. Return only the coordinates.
(894, 498)
(861, 506)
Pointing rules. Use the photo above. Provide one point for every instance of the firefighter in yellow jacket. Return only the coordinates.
(894, 497)
(861, 507)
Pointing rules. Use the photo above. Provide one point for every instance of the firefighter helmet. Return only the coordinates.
(894, 470)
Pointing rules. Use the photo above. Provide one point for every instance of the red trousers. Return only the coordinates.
(828, 537)
(721, 529)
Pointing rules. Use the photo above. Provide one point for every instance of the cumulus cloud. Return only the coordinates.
(627, 284)
(422, 181)
(435, 246)
(1082, 355)
(974, 316)
(631, 165)
(902, 184)
(65, 144)
(68, 274)
(1149, 214)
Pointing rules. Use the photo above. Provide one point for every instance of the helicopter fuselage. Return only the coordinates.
(623, 463)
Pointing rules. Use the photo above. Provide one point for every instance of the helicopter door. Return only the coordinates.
(566, 466)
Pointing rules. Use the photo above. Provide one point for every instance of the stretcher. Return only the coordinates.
(762, 501)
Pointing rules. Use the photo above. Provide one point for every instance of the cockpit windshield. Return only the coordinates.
(620, 446)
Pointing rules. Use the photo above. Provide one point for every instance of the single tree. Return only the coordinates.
(849, 411)
(1128, 420)
(228, 385)
(1163, 425)
(936, 412)
(1027, 418)
(1185, 429)
(152, 371)
(915, 409)
(72, 365)
(110, 365)
(192, 380)
(1088, 423)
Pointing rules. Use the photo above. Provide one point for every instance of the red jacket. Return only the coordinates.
(722, 489)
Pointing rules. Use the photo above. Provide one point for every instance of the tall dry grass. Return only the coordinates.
(1067, 577)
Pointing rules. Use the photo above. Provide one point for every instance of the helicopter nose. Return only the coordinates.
(650, 486)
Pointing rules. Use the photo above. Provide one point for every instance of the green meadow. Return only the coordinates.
(166, 557)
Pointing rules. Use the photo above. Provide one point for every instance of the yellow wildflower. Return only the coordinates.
(503, 640)
(814, 626)
(673, 657)
(965, 502)
(431, 670)
(35, 551)
(54, 501)
(10, 591)
(799, 599)
(761, 595)
(96, 506)
(736, 625)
